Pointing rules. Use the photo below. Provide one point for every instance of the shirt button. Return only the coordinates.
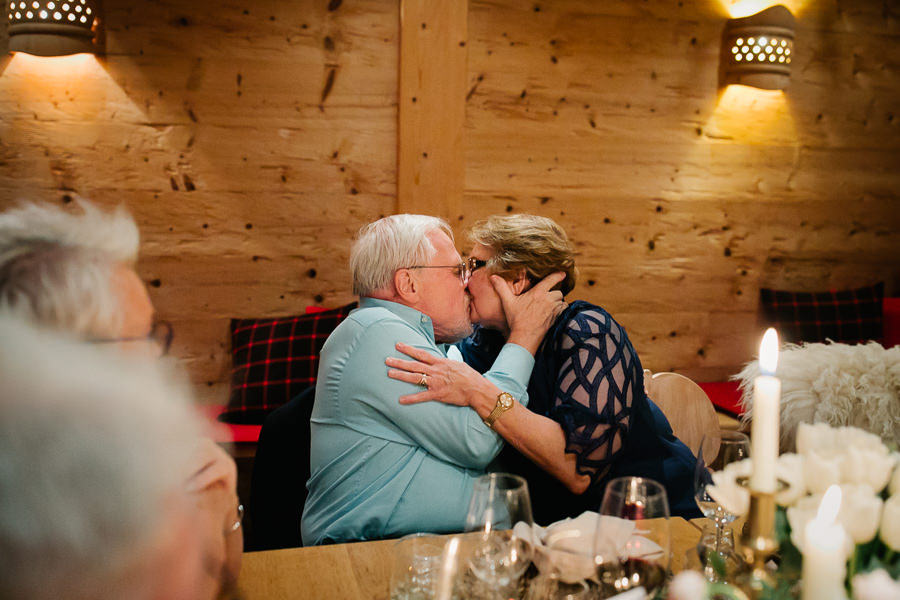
(424, 319)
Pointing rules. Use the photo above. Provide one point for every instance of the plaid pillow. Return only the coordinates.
(849, 317)
(273, 360)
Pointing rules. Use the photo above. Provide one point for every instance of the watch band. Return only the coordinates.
(505, 402)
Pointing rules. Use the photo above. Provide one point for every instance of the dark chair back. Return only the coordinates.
(280, 472)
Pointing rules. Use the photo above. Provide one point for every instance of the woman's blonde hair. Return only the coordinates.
(531, 243)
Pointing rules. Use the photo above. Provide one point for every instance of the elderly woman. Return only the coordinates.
(588, 419)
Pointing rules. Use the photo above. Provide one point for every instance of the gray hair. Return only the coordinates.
(388, 244)
(56, 267)
(93, 451)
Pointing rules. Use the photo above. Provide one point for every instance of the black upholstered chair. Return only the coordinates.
(280, 471)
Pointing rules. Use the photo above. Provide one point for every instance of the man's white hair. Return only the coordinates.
(388, 244)
(93, 451)
(56, 267)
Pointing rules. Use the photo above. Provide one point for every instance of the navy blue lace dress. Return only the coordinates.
(588, 378)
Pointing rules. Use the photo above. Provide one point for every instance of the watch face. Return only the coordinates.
(506, 401)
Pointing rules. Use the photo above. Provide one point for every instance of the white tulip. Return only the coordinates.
(890, 523)
(805, 510)
(876, 585)
(814, 436)
(863, 459)
(801, 513)
(860, 512)
(820, 471)
(790, 470)
(687, 585)
(726, 491)
(878, 468)
(894, 485)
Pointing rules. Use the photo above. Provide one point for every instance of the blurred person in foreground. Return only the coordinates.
(74, 273)
(589, 419)
(379, 469)
(95, 450)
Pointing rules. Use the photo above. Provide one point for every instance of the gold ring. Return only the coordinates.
(424, 380)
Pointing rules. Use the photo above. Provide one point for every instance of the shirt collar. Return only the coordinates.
(418, 320)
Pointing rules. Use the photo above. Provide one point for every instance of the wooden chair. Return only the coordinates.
(688, 409)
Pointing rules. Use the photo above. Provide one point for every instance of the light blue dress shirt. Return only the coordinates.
(382, 469)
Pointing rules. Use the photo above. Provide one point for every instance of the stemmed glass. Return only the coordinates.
(733, 446)
(642, 558)
(499, 556)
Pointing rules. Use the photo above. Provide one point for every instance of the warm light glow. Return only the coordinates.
(830, 505)
(749, 115)
(768, 352)
(745, 8)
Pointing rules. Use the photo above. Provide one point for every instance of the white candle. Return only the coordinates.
(824, 552)
(766, 417)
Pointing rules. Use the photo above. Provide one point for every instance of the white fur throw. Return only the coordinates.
(838, 384)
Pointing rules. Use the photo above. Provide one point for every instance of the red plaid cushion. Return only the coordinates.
(273, 360)
(849, 317)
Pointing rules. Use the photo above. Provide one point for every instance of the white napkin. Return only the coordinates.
(567, 547)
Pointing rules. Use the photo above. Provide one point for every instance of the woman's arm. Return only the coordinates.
(593, 396)
(539, 438)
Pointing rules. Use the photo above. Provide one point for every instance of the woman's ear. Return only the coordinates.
(521, 283)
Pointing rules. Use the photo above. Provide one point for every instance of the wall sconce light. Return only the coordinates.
(52, 27)
(758, 50)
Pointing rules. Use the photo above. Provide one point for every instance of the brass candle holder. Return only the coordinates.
(758, 545)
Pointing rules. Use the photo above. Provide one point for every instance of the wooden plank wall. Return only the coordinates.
(684, 200)
(251, 139)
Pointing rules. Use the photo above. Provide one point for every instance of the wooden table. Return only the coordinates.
(361, 571)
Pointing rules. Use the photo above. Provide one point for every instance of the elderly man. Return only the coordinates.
(75, 274)
(94, 452)
(379, 469)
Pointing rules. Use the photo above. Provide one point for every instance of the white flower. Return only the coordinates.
(820, 471)
(790, 470)
(842, 455)
(876, 585)
(890, 523)
(869, 466)
(860, 512)
(801, 513)
(894, 485)
(814, 436)
(726, 491)
(687, 585)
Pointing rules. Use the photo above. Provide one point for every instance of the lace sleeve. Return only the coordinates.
(595, 388)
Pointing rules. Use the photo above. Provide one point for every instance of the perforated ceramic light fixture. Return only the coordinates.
(758, 50)
(52, 27)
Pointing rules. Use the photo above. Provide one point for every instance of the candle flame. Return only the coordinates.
(768, 352)
(830, 505)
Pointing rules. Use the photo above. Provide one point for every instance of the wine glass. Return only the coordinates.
(733, 446)
(498, 555)
(632, 544)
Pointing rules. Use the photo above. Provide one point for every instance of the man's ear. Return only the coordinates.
(521, 283)
(406, 285)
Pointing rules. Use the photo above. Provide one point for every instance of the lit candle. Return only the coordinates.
(766, 416)
(824, 552)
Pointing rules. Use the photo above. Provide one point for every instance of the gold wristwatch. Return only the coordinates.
(505, 402)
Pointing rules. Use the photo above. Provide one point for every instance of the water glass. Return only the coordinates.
(417, 565)
(733, 446)
(498, 557)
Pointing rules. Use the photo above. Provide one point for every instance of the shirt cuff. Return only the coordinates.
(512, 369)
